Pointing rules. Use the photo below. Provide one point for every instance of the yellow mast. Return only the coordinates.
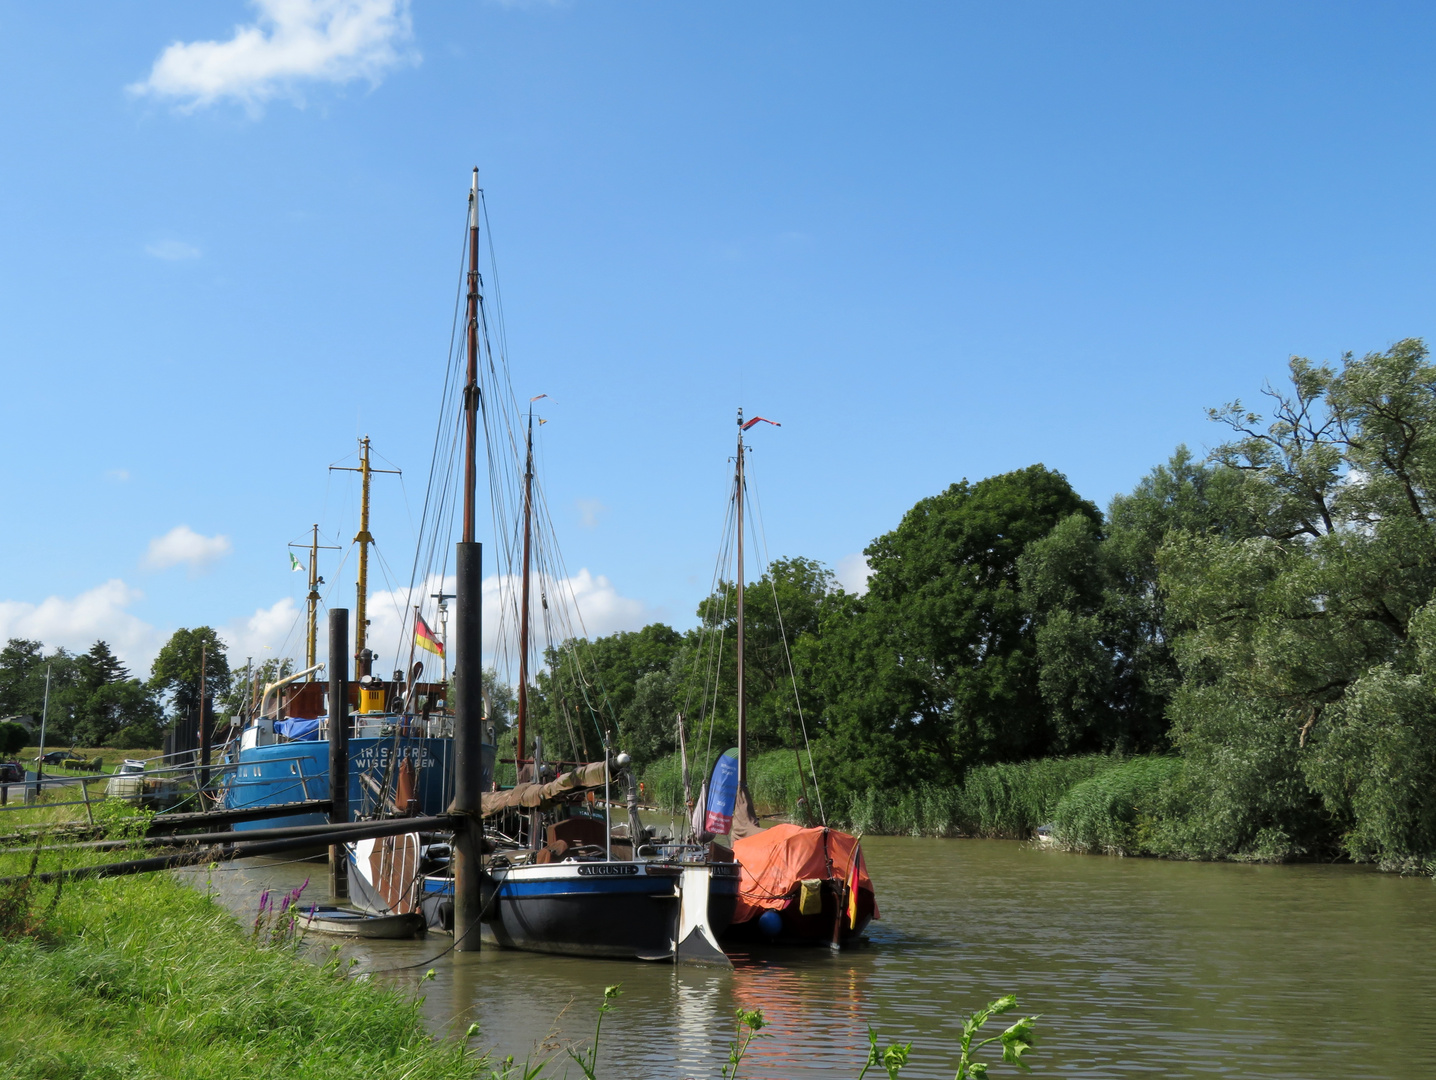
(363, 538)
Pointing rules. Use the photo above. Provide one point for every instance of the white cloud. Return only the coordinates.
(289, 43)
(589, 512)
(603, 609)
(853, 573)
(277, 630)
(172, 250)
(183, 545)
(119, 476)
(77, 623)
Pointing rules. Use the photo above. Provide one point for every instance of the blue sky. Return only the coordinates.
(934, 240)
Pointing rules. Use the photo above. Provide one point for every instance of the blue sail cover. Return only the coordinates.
(297, 729)
(722, 794)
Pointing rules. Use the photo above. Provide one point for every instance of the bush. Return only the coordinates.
(1123, 810)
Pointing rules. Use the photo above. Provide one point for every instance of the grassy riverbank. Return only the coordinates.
(143, 977)
(109, 757)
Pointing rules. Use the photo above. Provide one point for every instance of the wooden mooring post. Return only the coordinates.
(468, 749)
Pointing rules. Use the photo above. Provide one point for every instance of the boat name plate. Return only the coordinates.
(607, 869)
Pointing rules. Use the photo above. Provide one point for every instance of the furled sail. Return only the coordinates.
(527, 796)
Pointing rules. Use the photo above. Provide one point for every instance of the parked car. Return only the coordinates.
(54, 757)
(11, 772)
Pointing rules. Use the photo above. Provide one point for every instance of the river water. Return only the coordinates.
(1138, 968)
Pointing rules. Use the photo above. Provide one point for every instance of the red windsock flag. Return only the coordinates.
(760, 419)
(425, 637)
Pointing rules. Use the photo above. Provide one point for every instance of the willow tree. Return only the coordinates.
(1306, 709)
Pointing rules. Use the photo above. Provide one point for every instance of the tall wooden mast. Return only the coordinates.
(523, 702)
(742, 702)
(471, 385)
(469, 776)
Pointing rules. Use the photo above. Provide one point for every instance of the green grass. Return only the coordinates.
(109, 757)
(141, 977)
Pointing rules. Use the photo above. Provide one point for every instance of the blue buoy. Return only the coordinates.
(771, 923)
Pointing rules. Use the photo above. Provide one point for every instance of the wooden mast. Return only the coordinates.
(521, 719)
(471, 384)
(311, 641)
(468, 636)
(742, 704)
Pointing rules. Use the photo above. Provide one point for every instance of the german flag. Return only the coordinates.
(424, 637)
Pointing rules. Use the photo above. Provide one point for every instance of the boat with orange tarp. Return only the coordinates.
(798, 886)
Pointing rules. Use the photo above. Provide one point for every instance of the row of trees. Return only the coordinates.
(95, 701)
(1266, 614)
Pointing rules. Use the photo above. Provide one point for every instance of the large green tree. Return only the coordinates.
(936, 667)
(1103, 630)
(175, 673)
(105, 706)
(589, 688)
(22, 677)
(781, 608)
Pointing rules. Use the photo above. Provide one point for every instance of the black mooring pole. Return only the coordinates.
(338, 746)
(468, 745)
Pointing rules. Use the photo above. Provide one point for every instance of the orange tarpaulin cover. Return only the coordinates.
(775, 860)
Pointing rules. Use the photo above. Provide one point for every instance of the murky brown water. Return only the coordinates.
(1138, 967)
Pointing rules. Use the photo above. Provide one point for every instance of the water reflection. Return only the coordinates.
(1138, 967)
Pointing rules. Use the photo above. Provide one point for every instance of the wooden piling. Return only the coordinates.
(468, 747)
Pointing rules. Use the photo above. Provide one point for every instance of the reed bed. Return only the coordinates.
(1009, 800)
(773, 781)
(1123, 810)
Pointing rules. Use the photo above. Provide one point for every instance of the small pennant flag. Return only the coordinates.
(760, 420)
(294, 564)
(424, 637)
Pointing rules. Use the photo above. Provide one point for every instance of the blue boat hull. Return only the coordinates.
(293, 772)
